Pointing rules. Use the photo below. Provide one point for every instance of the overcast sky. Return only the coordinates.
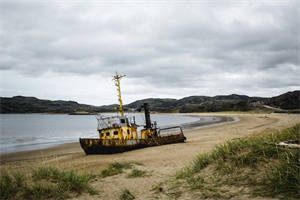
(70, 49)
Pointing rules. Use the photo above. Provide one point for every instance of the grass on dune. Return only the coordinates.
(44, 183)
(136, 173)
(126, 195)
(253, 163)
(53, 183)
(117, 168)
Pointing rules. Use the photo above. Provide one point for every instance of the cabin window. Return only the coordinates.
(116, 133)
(107, 133)
(128, 131)
(102, 134)
(122, 121)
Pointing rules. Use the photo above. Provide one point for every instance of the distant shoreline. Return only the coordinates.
(198, 124)
(201, 139)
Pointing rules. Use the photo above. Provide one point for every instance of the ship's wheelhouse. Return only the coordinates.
(116, 127)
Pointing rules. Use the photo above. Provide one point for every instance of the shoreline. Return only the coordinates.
(186, 127)
(199, 124)
(160, 162)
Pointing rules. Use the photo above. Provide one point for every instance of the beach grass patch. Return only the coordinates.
(8, 185)
(136, 173)
(118, 165)
(184, 173)
(43, 190)
(44, 183)
(117, 168)
(254, 163)
(46, 172)
(126, 195)
(92, 191)
(110, 172)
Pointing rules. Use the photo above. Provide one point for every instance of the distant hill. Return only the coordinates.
(233, 102)
(156, 104)
(20, 104)
(289, 100)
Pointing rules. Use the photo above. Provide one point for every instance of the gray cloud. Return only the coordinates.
(175, 49)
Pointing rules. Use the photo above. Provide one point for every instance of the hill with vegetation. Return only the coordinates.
(289, 100)
(233, 102)
(20, 104)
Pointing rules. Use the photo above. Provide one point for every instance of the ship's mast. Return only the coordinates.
(117, 78)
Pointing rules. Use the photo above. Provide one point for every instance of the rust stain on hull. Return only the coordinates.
(98, 146)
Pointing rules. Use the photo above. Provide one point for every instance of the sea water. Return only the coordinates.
(19, 132)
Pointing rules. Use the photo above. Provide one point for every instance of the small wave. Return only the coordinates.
(29, 143)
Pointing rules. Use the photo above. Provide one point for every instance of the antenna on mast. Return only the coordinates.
(117, 79)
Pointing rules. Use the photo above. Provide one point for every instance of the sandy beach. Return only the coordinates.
(161, 162)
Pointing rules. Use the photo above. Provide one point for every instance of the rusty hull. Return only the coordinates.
(99, 146)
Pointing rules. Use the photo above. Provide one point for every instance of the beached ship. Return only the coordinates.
(121, 133)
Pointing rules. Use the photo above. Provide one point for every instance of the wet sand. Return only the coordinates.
(217, 120)
(161, 162)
